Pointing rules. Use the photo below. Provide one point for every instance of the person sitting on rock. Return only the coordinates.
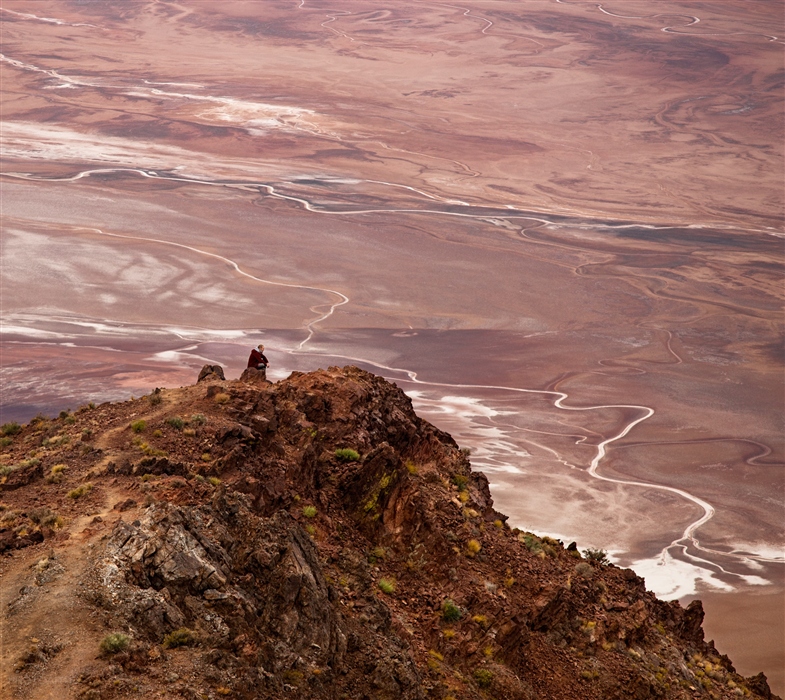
(257, 360)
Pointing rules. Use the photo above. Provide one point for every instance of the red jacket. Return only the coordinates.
(257, 359)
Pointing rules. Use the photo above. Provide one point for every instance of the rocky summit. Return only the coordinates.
(312, 538)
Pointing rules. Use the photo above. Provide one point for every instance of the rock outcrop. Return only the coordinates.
(315, 538)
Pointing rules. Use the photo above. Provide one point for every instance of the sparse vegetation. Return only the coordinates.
(179, 638)
(596, 555)
(387, 585)
(214, 480)
(473, 548)
(309, 511)
(114, 643)
(176, 422)
(345, 454)
(10, 429)
(138, 426)
(460, 481)
(80, 491)
(411, 467)
(198, 419)
(44, 517)
(450, 611)
(584, 570)
(483, 677)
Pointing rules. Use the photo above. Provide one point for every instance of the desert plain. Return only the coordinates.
(558, 226)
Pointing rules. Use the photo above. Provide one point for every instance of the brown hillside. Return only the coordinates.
(231, 548)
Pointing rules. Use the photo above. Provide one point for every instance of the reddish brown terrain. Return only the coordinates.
(557, 225)
(312, 538)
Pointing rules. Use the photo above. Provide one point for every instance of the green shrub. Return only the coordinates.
(10, 428)
(114, 643)
(387, 585)
(309, 511)
(179, 638)
(138, 426)
(450, 611)
(176, 422)
(198, 419)
(598, 555)
(484, 677)
(460, 481)
(5, 441)
(346, 454)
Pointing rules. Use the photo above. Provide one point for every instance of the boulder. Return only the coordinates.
(252, 375)
(211, 373)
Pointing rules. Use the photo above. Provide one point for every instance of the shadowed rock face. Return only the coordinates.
(333, 544)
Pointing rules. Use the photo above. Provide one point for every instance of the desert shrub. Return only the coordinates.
(531, 541)
(56, 475)
(346, 454)
(138, 426)
(179, 638)
(584, 570)
(450, 611)
(463, 496)
(157, 433)
(411, 467)
(155, 398)
(473, 547)
(176, 422)
(189, 432)
(448, 633)
(483, 677)
(206, 457)
(214, 480)
(45, 517)
(198, 419)
(10, 428)
(460, 481)
(222, 398)
(597, 555)
(387, 585)
(309, 511)
(63, 415)
(5, 441)
(114, 643)
(80, 491)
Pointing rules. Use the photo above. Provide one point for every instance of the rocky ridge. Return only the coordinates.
(310, 538)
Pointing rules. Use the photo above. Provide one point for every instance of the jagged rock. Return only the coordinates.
(211, 373)
(299, 574)
(251, 375)
(22, 477)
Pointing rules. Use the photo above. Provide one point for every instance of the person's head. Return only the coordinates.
(260, 347)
